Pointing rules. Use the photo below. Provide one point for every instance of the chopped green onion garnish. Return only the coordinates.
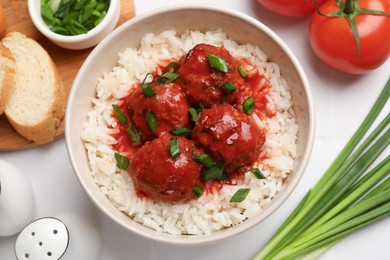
(228, 87)
(248, 106)
(205, 160)
(240, 195)
(134, 134)
(199, 107)
(181, 131)
(167, 78)
(193, 114)
(148, 91)
(152, 121)
(119, 114)
(217, 63)
(224, 176)
(198, 191)
(174, 148)
(214, 172)
(122, 162)
(258, 173)
(146, 77)
(242, 72)
(172, 65)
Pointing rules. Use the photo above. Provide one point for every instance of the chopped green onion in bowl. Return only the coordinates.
(73, 17)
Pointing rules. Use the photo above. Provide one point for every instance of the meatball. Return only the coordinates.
(159, 176)
(204, 84)
(229, 135)
(169, 107)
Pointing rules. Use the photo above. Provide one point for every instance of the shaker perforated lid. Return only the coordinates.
(45, 238)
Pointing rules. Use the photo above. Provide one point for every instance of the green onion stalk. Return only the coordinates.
(353, 193)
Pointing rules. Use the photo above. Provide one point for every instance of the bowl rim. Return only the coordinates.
(34, 8)
(278, 201)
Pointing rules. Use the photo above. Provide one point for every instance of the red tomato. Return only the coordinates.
(291, 8)
(333, 41)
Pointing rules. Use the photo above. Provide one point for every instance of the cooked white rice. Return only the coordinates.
(210, 212)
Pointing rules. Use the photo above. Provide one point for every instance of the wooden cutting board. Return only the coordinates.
(67, 61)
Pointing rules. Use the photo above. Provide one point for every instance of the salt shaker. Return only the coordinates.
(16, 199)
(67, 236)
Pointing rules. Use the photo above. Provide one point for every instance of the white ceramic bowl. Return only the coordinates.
(241, 28)
(76, 42)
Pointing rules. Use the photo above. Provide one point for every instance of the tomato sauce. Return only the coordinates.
(257, 87)
(223, 130)
(124, 145)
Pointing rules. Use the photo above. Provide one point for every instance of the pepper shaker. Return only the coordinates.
(16, 199)
(66, 236)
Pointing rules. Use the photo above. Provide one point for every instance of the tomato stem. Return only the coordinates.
(349, 7)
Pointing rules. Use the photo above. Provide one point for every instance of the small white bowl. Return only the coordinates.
(76, 42)
(239, 27)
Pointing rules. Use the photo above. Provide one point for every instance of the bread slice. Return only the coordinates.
(37, 105)
(7, 72)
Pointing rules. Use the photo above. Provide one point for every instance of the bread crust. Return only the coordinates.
(6, 89)
(61, 98)
(43, 131)
(3, 22)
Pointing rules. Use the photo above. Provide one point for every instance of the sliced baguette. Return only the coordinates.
(7, 72)
(37, 104)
